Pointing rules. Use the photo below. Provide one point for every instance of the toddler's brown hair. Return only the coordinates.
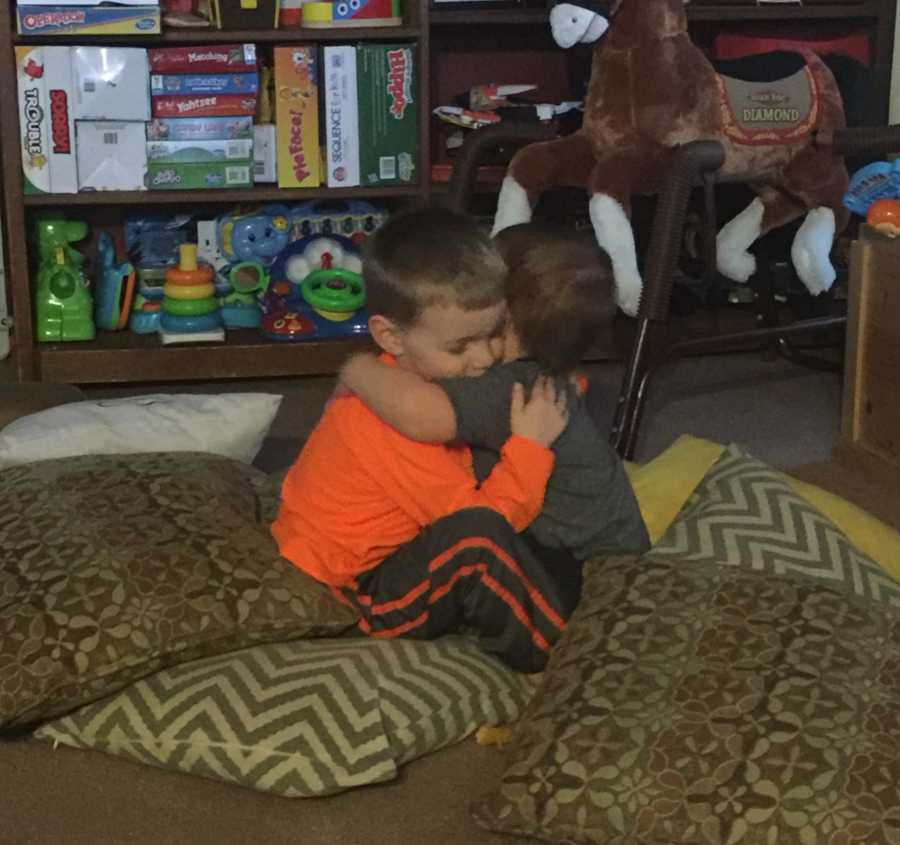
(560, 290)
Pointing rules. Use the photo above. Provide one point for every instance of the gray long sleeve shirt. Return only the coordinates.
(589, 507)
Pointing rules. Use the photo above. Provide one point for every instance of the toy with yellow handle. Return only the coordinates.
(190, 310)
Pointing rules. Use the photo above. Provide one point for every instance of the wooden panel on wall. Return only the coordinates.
(871, 415)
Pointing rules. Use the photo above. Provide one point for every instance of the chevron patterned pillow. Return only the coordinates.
(302, 718)
(739, 683)
(746, 514)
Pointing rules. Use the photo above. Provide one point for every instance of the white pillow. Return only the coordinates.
(230, 424)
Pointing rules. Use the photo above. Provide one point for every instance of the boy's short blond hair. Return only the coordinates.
(428, 256)
(560, 291)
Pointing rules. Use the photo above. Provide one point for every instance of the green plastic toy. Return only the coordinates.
(63, 306)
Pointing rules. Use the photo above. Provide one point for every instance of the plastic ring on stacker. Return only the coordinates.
(201, 276)
(189, 291)
(203, 323)
(190, 307)
(334, 290)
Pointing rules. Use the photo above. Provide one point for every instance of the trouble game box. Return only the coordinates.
(297, 117)
(46, 120)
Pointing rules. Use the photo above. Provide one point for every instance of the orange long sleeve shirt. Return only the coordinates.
(360, 490)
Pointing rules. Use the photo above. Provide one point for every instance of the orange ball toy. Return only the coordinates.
(884, 215)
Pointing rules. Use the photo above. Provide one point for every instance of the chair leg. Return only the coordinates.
(650, 352)
(629, 407)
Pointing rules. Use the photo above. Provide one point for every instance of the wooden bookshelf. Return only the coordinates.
(218, 196)
(456, 48)
(218, 36)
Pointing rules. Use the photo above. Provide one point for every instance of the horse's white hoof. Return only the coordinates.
(513, 206)
(810, 250)
(628, 293)
(738, 267)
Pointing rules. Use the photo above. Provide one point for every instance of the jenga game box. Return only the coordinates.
(297, 117)
(46, 121)
(388, 113)
(209, 58)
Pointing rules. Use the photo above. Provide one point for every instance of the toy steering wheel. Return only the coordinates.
(334, 289)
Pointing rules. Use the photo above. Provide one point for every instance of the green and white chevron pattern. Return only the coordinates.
(745, 514)
(302, 718)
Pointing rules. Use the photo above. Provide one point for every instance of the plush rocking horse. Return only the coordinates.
(652, 90)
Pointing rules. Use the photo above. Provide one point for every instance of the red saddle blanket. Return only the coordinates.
(769, 113)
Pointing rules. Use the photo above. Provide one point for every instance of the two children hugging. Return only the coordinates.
(461, 483)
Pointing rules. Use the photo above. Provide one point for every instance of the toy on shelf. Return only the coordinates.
(876, 181)
(148, 301)
(256, 236)
(152, 244)
(316, 291)
(332, 15)
(354, 219)
(190, 310)
(884, 215)
(63, 306)
(113, 287)
(240, 307)
(244, 246)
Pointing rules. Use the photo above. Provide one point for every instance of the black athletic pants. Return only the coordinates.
(470, 571)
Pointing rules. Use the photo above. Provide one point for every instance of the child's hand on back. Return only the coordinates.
(544, 416)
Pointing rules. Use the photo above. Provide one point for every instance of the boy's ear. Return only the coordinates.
(387, 334)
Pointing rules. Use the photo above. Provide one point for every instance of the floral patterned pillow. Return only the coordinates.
(740, 683)
(114, 566)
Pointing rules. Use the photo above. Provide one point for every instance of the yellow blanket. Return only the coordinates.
(664, 484)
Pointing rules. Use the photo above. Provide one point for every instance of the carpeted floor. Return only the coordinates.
(784, 414)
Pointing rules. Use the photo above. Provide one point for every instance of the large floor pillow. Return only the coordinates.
(740, 683)
(304, 718)
(112, 567)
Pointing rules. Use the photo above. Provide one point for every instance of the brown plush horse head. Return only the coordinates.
(651, 90)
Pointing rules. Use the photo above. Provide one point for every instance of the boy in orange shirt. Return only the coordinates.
(401, 529)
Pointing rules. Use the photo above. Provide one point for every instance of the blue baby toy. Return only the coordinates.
(113, 287)
(316, 291)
